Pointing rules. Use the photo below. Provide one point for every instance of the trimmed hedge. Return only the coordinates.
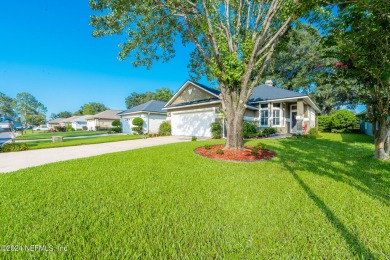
(165, 128)
(13, 147)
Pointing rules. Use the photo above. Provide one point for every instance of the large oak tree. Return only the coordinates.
(233, 40)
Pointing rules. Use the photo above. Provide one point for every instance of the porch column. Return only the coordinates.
(300, 115)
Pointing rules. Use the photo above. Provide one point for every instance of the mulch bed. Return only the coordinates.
(234, 155)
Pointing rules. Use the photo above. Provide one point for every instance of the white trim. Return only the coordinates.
(311, 103)
(291, 119)
(143, 112)
(268, 117)
(183, 87)
(193, 105)
(209, 109)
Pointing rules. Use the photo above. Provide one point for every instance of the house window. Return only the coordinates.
(264, 115)
(276, 114)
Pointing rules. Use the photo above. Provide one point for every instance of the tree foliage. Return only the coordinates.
(300, 63)
(28, 107)
(135, 99)
(362, 34)
(92, 108)
(6, 105)
(64, 114)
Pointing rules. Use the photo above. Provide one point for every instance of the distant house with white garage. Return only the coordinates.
(102, 120)
(76, 122)
(55, 123)
(151, 112)
(195, 106)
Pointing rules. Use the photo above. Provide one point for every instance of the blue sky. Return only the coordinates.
(46, 49)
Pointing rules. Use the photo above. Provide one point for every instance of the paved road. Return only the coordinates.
(19, 160)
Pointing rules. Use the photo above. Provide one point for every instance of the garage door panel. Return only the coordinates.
(193, 124)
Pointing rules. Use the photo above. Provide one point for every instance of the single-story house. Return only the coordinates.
(365, 126)
(195, 106)
(102, 120)
(55, 122)
(151, 112)
(77, 122)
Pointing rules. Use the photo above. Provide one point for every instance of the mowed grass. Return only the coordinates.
(324, 198)
(32, 135)
(81, 141)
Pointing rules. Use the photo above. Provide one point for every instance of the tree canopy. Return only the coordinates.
(6, 105)
(135, 99)
(28, 107)
(91, 108)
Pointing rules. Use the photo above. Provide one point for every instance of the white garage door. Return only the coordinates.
(192, 123)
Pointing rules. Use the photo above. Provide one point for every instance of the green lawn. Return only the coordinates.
(324, 198)
(32, 135)
(81, 141)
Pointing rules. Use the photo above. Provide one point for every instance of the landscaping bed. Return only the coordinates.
(250, 154)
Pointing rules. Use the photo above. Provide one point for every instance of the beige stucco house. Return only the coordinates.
(102, 120)
(195, 106)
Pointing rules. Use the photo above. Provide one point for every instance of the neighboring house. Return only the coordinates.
(151, 112)
(80, 122)
(102, 120)
(55, 122)
(195, 106)
(365, 126)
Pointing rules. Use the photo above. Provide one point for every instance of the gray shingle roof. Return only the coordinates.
(265, 92)
(150, 106)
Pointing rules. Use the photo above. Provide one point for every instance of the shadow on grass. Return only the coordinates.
(357, 247)
(349, 161)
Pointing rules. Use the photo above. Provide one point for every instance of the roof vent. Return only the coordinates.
(269, 83)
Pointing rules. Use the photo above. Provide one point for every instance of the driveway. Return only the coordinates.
(19, 160)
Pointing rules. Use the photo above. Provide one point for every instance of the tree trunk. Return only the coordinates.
(381, 140)
(234, 137)
(234, 111)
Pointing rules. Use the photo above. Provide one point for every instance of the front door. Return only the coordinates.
(293, 121)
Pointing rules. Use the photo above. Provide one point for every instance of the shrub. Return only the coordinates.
(216, 130)
(269, 131)
(194, 138)
(255, 150)
(85, 128)
(220, 151)
(313, 133)
(137, 130)
(60, 128)
(138, 122)
(343, 119)
(324, 123)
(116, 123)
(249, 130)
(207, 147)
(13, 147)
(116, 129)
(165, 128)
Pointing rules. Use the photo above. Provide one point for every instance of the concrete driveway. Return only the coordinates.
(19, 160)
